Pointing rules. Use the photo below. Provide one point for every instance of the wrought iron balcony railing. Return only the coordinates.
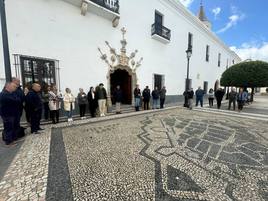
(160, 30)
(112, 5)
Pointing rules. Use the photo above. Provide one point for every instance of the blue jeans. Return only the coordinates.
(199, 99)
(155, 103)
(69, 114)
(137, 103)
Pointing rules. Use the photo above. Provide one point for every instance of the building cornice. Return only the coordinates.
(195, 21)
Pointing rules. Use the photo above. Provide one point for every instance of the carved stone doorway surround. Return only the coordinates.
(133, 76)
(121, 61)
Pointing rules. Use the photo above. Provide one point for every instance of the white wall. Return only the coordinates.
(55, 29)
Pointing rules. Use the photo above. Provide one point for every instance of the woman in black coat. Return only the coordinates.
(92, 102)
(219, 95)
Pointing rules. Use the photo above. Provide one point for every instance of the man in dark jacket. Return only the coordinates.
(190, 96)
(101, 96)
(155, 95)
(163, 92)
(146, 94)
(19, 93)
(9, 112)
(199, 93)
(232, 98)
(219, 95)
(21, 97)
(34, 103)
(118, 98)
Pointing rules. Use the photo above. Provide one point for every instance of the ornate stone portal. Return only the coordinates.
(121, 62)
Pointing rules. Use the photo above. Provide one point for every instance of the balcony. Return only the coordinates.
(160, 33)
(110, 5)
(108, 9)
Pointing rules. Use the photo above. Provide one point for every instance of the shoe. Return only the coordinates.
(20, 139)
(10, 144)
(41, 129)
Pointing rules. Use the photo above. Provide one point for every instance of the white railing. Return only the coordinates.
(111, 3)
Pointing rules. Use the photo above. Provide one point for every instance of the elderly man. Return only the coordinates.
(34, 104)
(101, 96)
(232, 98)
(8, 112)
(20, 95)
(199, 93)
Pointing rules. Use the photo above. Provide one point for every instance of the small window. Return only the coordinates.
(227, 63)
(190, 41)
(207, 53)
(233, 61)
(219, 60)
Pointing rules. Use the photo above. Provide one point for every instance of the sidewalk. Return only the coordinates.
(257, 110)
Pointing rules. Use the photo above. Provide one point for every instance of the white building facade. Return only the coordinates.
(57, 41)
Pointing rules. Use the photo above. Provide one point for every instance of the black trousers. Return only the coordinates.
(10, 127)
(146, 104)
(219, 104)
(240, 105)
(46, 110)
(210, 100)
(35, 120)
(162, 102)
(55, 114)
(92, 109)
(82, 109)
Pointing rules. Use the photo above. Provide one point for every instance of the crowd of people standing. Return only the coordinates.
(36, 100)
(240, 97)
(13, 99)
(158, 98)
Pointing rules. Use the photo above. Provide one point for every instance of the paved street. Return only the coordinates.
(169, 155)
(259, 106)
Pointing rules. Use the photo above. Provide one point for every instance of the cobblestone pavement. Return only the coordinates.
(172, 155)
(26, 177)
(259, 106)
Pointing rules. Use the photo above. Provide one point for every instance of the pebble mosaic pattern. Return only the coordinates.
(173, 155)
(26, 177)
